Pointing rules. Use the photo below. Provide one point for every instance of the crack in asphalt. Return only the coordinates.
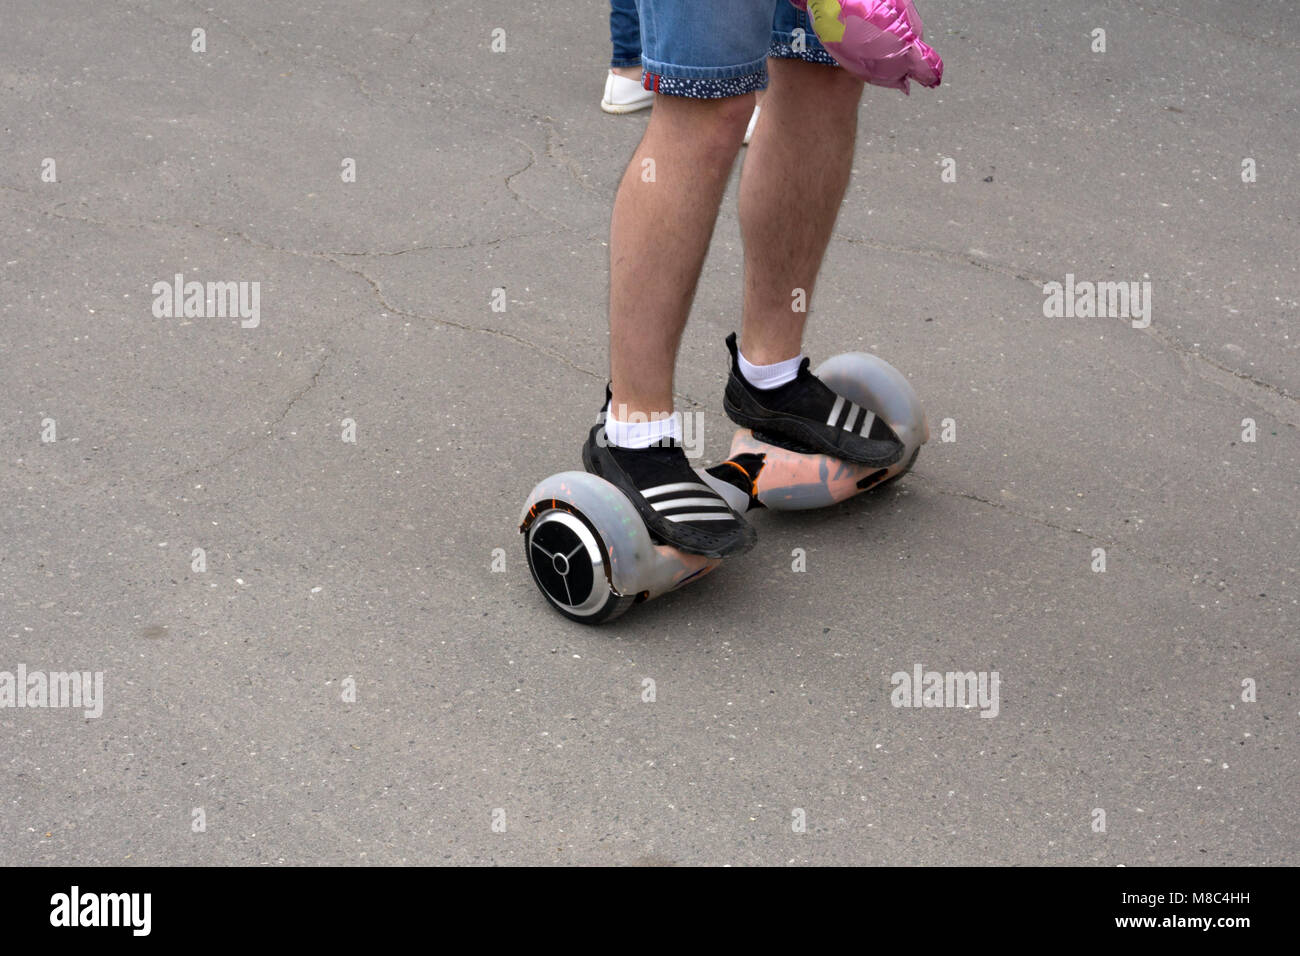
(125, 223)
(333, 258)
(389, 307)
(518, 197)
(433, 10)
(1002, 506)
(209, 12)
(1155, 12)
(1110, 544)
(1288, 412)
(253, 443)
(550, 133)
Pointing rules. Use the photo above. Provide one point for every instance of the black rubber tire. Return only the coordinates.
(614, 604)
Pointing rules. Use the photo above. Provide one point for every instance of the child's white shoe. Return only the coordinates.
(624, 96)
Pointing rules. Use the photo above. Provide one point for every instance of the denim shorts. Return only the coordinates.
(710, 49)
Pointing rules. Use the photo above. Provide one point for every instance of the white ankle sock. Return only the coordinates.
(769, 376)
(642, 434)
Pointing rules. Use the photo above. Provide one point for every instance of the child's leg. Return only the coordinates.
(795, 176)
(704, 60)
(664, 215)
(625, 37)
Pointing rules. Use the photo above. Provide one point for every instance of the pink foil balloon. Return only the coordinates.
(878, 41)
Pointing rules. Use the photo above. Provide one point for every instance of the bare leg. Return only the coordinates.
(630, 72)
(795, 175)
(659, 236)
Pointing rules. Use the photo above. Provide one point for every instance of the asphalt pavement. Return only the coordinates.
(273, 533)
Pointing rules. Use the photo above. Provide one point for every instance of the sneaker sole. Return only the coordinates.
(623, 108)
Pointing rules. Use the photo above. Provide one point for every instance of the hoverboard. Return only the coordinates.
(592, 557)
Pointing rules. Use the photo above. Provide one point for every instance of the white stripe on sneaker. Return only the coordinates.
(853, 414)
(700, 516)
(835, 410)
(714, 502)
(867, 422)
(658, 490)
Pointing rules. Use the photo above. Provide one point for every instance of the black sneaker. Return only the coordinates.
(677, 507)
(809, 416)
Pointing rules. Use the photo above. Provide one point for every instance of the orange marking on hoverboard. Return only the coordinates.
(753, 481)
